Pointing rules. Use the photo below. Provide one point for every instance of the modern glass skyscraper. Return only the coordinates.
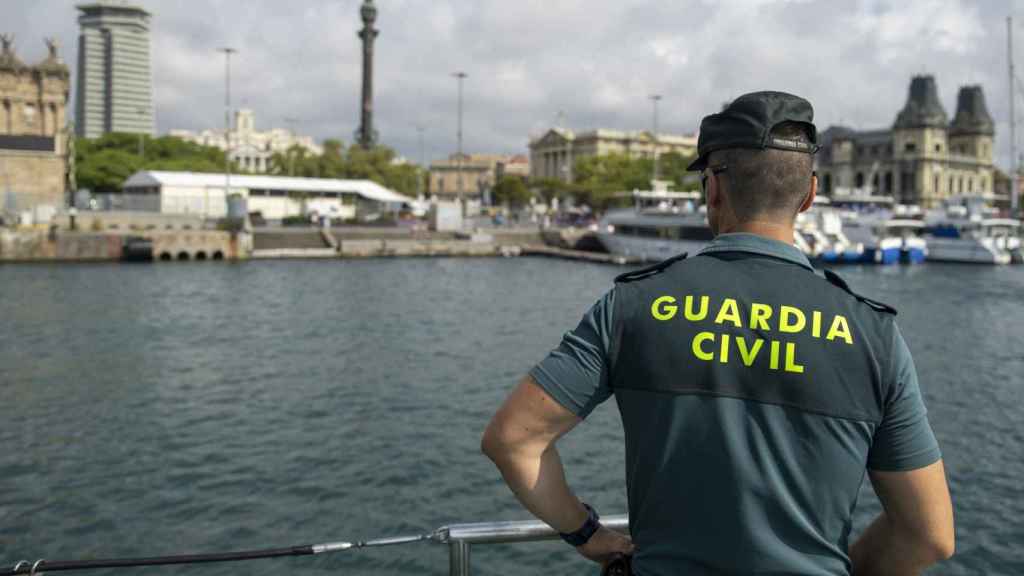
(114, 90)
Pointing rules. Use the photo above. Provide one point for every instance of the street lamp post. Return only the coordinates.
(291, 153)
(654, 136)
(458, 158)
(419, 179)
(228, 51)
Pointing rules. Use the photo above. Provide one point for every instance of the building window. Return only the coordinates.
(29, 112)
(909, 147)
(828, 183)
(874, 183)
(938, 147)
(936, 184)
(858, 181)
(907, 192)
(888, 182)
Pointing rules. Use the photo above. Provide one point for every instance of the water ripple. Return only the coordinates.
(160, 409)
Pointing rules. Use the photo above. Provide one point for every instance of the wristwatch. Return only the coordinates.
(590, 525)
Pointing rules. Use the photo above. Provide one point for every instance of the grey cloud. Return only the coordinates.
(596, 60)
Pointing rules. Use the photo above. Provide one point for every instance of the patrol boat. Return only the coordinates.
(661, 224)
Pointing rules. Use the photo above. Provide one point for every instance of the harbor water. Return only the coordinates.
(154, 410)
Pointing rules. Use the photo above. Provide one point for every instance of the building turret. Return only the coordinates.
(923, 108)
(919, 139)
(972, 117)
(971, 137)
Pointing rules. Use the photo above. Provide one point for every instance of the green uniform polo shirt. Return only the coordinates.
(744, 475)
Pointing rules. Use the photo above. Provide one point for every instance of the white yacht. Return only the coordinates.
(960, 234)
(660, 225)
(821, 235)
(874, 235)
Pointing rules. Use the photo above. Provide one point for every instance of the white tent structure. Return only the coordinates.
(275, 197)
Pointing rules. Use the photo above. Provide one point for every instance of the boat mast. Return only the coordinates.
(1013, 120)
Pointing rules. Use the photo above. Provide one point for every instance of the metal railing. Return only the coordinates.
(460, 537)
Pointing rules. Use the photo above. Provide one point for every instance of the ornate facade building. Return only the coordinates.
(553, 154)
(33, 131)
(251, 149)
(922, 159)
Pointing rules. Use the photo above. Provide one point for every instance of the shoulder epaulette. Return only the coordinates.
(650, 270)
(837, 280)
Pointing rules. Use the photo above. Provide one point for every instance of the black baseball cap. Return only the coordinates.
(747, 122)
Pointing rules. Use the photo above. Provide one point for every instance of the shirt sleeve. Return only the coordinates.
(576, 372)
(904, 440)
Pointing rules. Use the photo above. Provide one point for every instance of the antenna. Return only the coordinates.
(1013, 119)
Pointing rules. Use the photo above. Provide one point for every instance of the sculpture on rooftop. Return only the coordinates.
(52, 46)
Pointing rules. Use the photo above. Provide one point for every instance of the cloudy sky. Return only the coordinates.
(591, 62)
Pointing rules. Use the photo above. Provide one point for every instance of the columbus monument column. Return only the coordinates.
(366, 135)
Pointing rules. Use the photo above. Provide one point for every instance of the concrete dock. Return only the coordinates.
(187, 241)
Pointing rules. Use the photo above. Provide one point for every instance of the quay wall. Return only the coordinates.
(40, 245)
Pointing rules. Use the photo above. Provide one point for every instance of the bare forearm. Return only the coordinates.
(882, 550)
(539, 484)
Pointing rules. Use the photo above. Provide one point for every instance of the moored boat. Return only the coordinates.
(661, 224)
(987, 241)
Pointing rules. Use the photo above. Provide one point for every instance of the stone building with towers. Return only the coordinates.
(33, 132)
(113, 91)
(922, 159)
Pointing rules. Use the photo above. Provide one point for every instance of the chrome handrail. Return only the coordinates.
(459, 537)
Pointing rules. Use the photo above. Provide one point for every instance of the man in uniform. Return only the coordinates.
(753, 392)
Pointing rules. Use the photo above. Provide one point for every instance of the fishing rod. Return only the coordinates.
(39, 566)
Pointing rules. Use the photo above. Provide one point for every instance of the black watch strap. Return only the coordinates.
(590, 525)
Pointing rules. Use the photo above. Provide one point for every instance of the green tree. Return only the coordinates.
(672, 167)
(550, 188)
(103, 164)
(600, 178)
(512, 191)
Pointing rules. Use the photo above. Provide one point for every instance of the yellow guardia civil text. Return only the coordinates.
(720, 346)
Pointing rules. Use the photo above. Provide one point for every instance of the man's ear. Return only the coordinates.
(714, 192)
(811, 194)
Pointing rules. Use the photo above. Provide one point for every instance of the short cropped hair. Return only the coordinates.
(768, 182)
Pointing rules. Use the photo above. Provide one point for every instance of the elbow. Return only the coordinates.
(944, 547)
(943, 543)
(490, 443)
(936, 546)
